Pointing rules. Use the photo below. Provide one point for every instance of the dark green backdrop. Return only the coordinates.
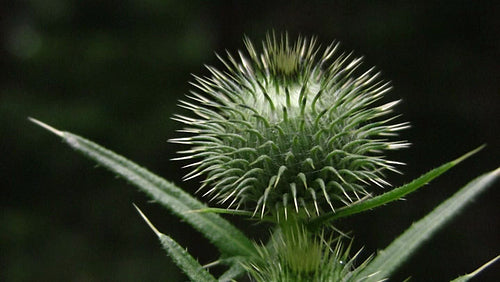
(112, 71)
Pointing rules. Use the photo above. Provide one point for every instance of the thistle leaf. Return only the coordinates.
(389, 259)
(390, 196)
(181, 257)
(466, 277)
(222, 211)
(234, 271)
(227, 238)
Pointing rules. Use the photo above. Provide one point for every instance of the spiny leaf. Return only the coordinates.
(222, 211)
(389, 259)
(390, 196)
(466, 277)
(234, 271)
(181, 257)
(227, 238)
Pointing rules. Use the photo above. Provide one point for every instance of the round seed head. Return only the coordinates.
(290, 129)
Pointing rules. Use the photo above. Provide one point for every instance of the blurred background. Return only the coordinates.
(112, 71)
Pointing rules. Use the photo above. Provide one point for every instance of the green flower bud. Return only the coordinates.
(294, 254)
(292, 128)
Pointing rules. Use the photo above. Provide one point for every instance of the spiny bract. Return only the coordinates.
(289, 129)
(293, 254)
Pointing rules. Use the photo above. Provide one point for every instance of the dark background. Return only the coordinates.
(112, 71)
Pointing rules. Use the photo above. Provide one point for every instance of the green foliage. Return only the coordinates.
(180, 256)
(400, 249)
(297, 139)
(221, 233)
(389, 196)
(471, 275)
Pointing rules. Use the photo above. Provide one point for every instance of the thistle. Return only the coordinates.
(296, 255)
(292, 128)
(288, 132)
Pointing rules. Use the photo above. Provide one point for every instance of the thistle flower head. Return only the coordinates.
(294, 254)
(290, 129)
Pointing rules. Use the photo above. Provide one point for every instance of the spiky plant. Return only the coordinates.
(289, 129)
(295, 135)
(294, 254)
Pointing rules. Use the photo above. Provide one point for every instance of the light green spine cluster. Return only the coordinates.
(293, 128)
